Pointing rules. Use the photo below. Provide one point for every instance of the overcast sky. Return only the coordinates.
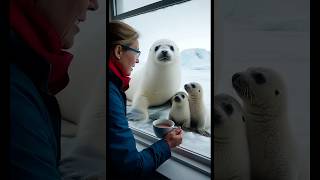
(188, 24)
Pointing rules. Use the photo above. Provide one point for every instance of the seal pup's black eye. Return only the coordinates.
(199, 90)
(193, 86)
(259, 78)
(228, 108)
(277, 92)
(171, 47)
(243, 119)
(182, 96)
(156, 49)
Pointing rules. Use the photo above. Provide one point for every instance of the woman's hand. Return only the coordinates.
(174, 138)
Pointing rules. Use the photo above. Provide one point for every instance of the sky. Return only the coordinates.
(188, 24)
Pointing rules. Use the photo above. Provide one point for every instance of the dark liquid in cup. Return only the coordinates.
(163, 125)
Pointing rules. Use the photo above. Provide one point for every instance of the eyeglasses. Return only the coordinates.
(131, 49)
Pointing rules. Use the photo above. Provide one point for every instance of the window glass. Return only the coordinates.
(189, 25)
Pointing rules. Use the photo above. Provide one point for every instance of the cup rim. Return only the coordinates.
(156, 122)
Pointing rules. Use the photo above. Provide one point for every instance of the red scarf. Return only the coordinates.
(118, 70)
(39, 35)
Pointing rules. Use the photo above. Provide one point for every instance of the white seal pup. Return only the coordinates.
(264, 98)
(158, 80)
(231, 151)
(199, 115)
(180, 111)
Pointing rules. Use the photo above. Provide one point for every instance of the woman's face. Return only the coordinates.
(128, 58)
(65, 16)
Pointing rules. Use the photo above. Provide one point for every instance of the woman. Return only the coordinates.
(40, 29)
(125, 159)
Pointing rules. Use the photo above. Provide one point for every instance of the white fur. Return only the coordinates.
(199, 114)
(231, 152)
(267, 124)
(180, 111)
(157, 81)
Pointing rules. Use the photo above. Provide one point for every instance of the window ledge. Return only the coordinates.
(184, 164)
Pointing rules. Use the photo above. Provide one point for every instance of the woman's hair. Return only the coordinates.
(121, 33)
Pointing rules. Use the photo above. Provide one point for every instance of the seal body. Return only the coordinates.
(158, 80)
(199, 115)
(180, 111)
(231, 151)
(263, 93)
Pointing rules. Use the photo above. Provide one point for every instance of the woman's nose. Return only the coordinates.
(137, 60)
(93, 5)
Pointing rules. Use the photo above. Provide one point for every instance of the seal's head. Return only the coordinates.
(179, 99)
(260, 87)
(164, 51)
(194, 90)
(228, 117)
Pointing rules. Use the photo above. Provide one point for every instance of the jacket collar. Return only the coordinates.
(115, 79)
(37, 32)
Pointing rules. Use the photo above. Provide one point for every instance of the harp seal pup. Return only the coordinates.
(263, 93)
(200, 118)
(231, 151)
(157, 81)
(180, 111)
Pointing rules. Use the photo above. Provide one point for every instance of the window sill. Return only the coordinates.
(184, 164)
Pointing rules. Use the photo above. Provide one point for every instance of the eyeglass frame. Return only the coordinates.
(131, 49)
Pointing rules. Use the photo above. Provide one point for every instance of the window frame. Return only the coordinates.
(183, 156)
(142, 10)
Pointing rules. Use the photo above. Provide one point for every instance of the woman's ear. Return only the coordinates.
(117, 51)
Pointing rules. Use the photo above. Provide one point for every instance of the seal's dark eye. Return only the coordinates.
(277, 92)
(243, 119)
(156, 49)
(193, 86)
(199, 90)
(259, 78)
(228, 108)
(182, 96)
(171, 47)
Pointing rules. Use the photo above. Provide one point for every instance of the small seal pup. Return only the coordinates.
(231, 151)
(180, 111)
(157, 81)
(199, 116)
(264, 98)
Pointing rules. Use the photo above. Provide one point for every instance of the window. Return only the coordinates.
(193, 39)
(123, 6)
(127, 8)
